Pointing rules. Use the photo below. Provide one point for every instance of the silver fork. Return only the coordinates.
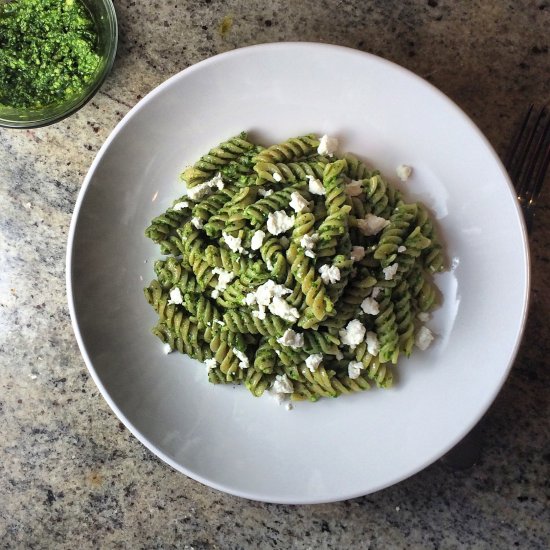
(527, 163)
(528, 159)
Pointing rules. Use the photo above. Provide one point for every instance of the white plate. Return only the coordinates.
(333, 449)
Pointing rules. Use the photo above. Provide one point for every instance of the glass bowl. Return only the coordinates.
(104, 15)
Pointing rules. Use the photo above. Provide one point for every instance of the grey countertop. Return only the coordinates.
(72, 476)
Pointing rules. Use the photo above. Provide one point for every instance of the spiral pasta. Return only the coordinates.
(294, 271)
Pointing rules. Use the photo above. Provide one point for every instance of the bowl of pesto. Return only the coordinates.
(54, 56)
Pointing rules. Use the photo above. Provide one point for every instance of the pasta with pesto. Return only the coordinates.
(294, 270)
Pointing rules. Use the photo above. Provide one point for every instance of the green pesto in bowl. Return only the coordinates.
(54, 55)
(47, 51)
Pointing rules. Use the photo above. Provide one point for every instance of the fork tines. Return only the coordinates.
(529, 155)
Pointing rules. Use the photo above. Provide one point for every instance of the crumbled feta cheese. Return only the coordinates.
(315, 186)
(401, 248)
(371, 224)
(307, 242)
(281, 387)
(277, 177)
(423, 316)
(353, 334)
(224, 278)
(291, 339)
(210, 364)
(373, 345)
(313, 361)
(166, 349)
(257, 240)
(278, 222)
(202, 189)
(357, 253)
(327, 146)
(219, 322)
(376, 291)
(176, 296)
(233, 243)
(243, 359)
(354, 188)
(297, 202)
(197, 222)
(370, 306)
(264, 295)
(289, 406)
(390, 271)
(403, 172)
(265, 192)
(329, 274)
(280, 308)
(180, 206)
(339, 355)
(354, 369)
(424, 338)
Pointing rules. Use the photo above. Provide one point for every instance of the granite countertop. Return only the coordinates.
(72, 476)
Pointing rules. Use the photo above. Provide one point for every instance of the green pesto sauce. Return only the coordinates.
(47, 51)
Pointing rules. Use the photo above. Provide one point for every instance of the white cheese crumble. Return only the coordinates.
(329, 274)
(175, 296)
(219, 322)
(243, 359)
(202, 189)
(280, 308)
(353, 334)
(371, 224)
(313, 361)
(423, 338)
(390, 271)
(357, 253)
(224, 278)
(233, 243)
(297, 202)
(257, 240)
(166, 349)
(278, 222)
(264, 295)
(308, 242)
(354, 188)
(265, 192)
(403, 172)
(281, 387)
(277, 177)
(180, 206)
(401, 248)
(210, 364)
(354, 369)
(197, 222)
(294, 340)
(289, 406)
(370, 306)
(315, 186)
(373, 345)
(376, 291)
(327, 146)
(423, 316)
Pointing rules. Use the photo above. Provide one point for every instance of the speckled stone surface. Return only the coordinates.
(72, 476)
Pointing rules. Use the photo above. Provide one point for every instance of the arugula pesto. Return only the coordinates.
(47, 51)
